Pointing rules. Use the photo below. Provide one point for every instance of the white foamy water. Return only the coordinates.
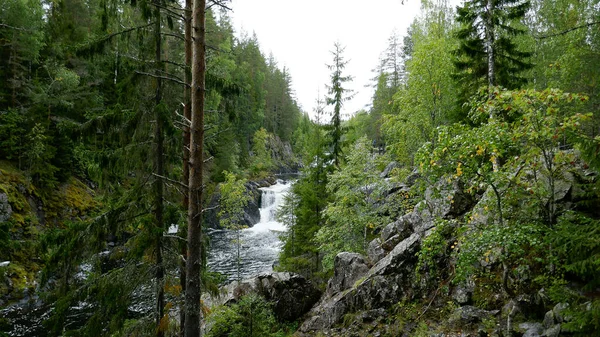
(260, 244)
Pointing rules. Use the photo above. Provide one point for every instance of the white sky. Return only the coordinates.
(301, 33)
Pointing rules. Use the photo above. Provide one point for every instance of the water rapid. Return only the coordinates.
(260, 244)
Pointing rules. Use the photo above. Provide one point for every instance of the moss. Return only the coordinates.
(73, 200)
(13, 183)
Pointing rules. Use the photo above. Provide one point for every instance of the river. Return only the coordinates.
(260, 244)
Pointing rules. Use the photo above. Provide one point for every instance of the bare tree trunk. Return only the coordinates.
(187, 113)
(158, 182)
(194, 257)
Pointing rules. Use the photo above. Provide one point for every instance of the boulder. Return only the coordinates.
(5, 209)
(558, 311)
(291, 295)
(348, 268)
(397, 231)
(374, 251)
(447, 200)
(469, 315)
(549, 319)
(388, 169)
(531, 329)
(384, 285)
(412, 178)
(553, 331)
(462, 294)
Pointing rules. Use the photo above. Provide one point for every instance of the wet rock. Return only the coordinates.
(251, 211)
(291, 295)
(348, 268)
(374, 251)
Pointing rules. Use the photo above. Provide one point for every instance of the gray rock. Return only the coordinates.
(388, 169)
(412, 178)
(5, 209)
(374, 251)
(558, 312)
(553, 331)
(447, 200)
(401, 229)
(531, 329)
(462, 294)
(468, 315)
(386, 283)
(348, 268)
(290, 294)
(549, 319)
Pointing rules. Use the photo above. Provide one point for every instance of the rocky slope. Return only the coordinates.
(382, 294)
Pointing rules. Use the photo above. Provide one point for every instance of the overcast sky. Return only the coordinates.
(301, 34)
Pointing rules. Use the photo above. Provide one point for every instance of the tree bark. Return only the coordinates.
(187, 113)
(195, 190)
(158, 182)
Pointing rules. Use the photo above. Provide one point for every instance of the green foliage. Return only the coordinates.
(499, 25)
(234, 199)
(232, 202)
(519, 245)
(337, 96)
(427, 100)
(352, 215)
(434, 247)
(261, 161)
(250, 316)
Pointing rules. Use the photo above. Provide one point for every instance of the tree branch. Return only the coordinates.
(174, 237)
(15, 28)
(163, 77)
(168, 10)
(220, 3)
(177, 182)
(174, 35)
(568, 30)
(110, 36)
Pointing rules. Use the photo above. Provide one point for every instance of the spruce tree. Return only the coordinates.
(488, 53)
(338, 94)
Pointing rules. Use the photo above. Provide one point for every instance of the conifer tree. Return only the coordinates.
(338, 94)
(488, 54)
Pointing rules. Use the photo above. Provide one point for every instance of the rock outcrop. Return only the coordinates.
(383, 285)
(291, 295)
(393, 255)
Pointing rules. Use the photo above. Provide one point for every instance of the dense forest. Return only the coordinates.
(120, 123)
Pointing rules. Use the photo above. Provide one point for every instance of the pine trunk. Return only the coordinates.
(194, 257)
(187, 113)
(158, 182)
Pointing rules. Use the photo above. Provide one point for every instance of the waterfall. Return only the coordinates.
(260, 244)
